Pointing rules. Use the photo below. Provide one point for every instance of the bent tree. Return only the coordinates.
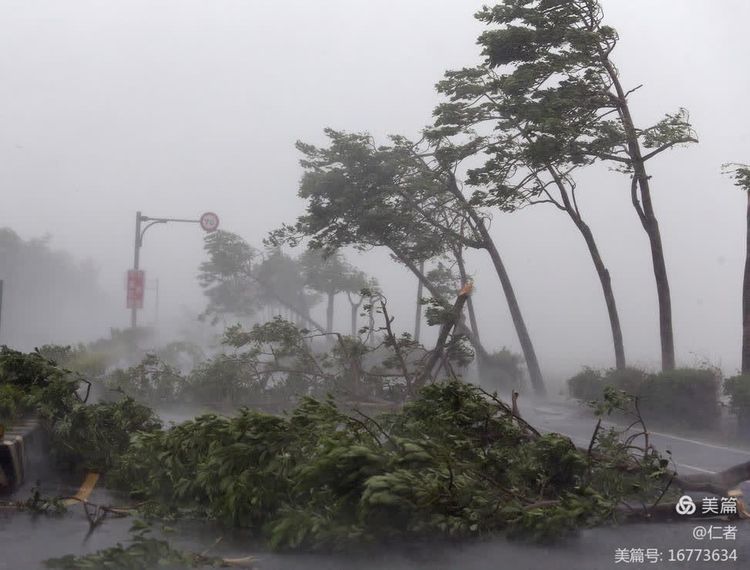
(331, 275)
(359, 193)
(521, 167)
(741, 175)
(238, 281)
(557, 54)
(349, 190)
(429, 187)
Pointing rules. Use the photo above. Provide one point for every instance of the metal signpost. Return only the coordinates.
(136, 278)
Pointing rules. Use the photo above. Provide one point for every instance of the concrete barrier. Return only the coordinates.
(21, 439)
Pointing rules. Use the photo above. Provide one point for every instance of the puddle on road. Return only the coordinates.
(27, 540)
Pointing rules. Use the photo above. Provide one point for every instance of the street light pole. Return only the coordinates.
(208, 221)
(136, 265)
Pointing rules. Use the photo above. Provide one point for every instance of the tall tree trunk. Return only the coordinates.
(571, 208)
(354, 319)
(418, 312)
(651, 226)
(527, 347)
(746, 300)
(645, 211)
(329, 313)
(609, 295)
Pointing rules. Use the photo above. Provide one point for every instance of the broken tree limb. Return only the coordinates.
(445, 330)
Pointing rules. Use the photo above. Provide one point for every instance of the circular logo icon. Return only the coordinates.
(209, 222)
(685, 506)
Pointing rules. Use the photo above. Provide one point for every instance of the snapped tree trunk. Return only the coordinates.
(481, 359)
(746, 300)
(461, 327)
(445, 330)
(527, 347)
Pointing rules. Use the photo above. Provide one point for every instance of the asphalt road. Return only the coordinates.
(690, 455)
(27, 540)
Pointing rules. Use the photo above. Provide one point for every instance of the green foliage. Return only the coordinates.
(93, 436)
(683, 396)
(226, 275)
(503, 369)
(738, 390)
(454, 462)
(11, 402)
(83, 359)
(629, 380)
(589, 384)
(331, 274)
(40, 504)
(30, 382)
(152, 381)
(740, 173)
(586, 385)
(143, 552)
(362, 195)
(88, 436)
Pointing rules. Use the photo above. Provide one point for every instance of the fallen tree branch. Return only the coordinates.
(718, 484)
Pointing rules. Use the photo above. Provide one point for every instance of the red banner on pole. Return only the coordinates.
(136, 282)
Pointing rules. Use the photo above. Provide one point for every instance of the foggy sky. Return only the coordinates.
(178, 107)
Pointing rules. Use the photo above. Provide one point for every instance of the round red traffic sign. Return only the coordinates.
(209, 222)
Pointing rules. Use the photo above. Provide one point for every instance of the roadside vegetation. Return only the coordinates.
(317, 439)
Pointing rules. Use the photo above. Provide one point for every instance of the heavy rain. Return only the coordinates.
(372, 284)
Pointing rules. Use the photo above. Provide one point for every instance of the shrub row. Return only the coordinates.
(684, 397)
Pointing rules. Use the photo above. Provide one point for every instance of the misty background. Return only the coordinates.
(179, 107)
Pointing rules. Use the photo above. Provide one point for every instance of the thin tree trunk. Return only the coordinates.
(746, 300)
(527, 347)
(601, 270)
(329, 313)
(645, 211)
(354, 310)
(418, 313)
(609, 295)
